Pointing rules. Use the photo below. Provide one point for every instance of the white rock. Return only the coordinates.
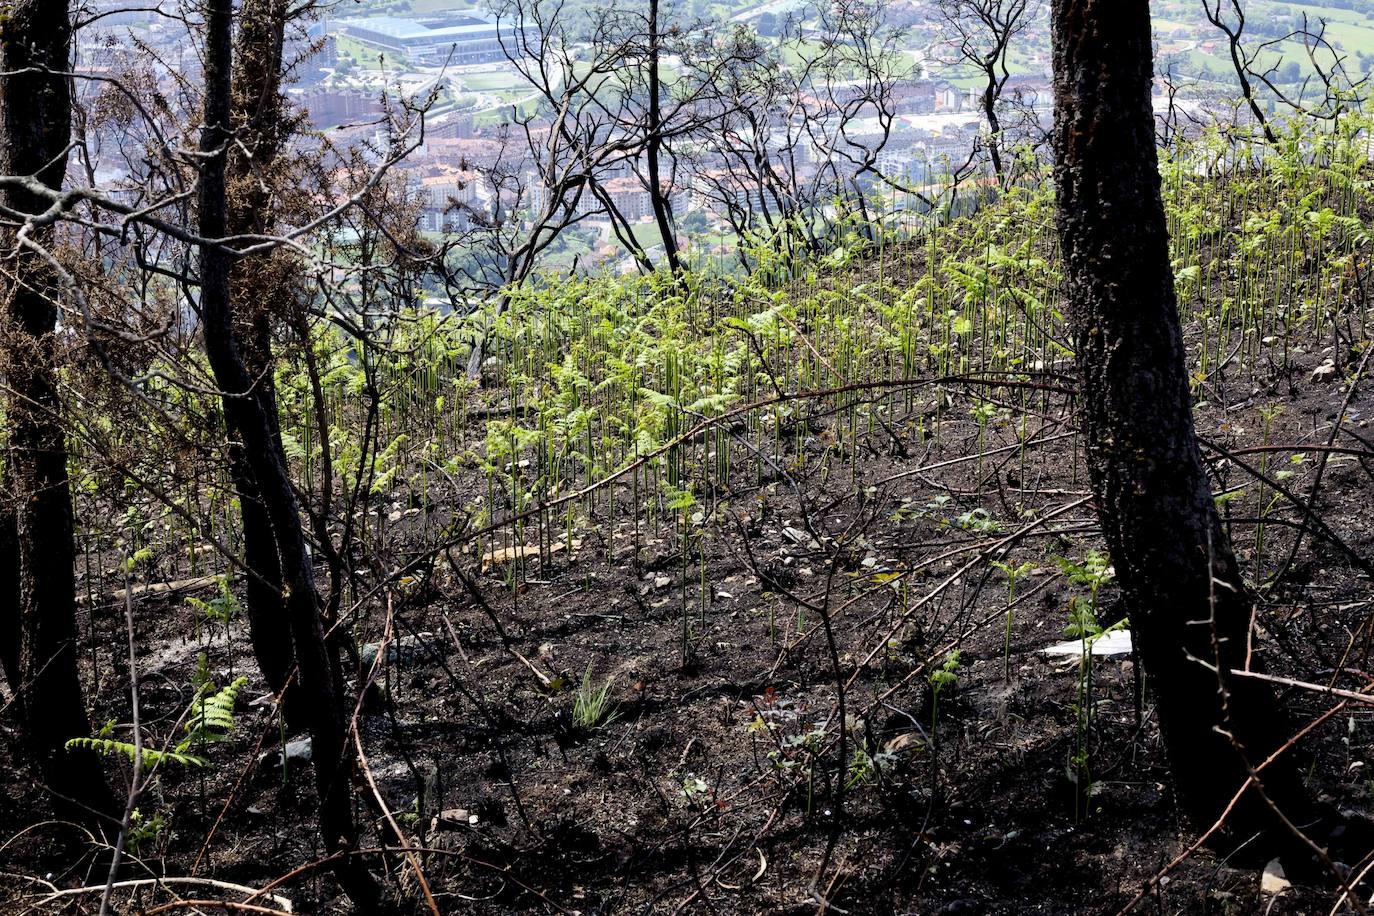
(300, 749)
(1325, 372)
(457, 817)
(1273, 881)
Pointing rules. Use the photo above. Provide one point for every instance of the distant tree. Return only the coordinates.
(791, 147)
(605, 111)
(768, 24)
(1337, 90)
(980, 33)
(654, 135)
(695, 222)
(1242, 61)
(630, 117)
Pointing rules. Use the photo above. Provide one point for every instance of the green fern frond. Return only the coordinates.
(211, 719)
(151, 758)
(212, 715)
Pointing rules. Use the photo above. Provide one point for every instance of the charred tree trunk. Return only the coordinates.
(654, 146)
(317, 670)
(992, 94)
(255, 284)
(10, 631)
(40, 604)
(1187, 602)
(268, 627)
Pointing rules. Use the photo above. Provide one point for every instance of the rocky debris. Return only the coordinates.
(799, 537)
(406, 651)
(501, 555)
(904, 742)
(455, 818)
(1273, 881)
(492, 372)
(154, 589)
(654, 583)
(297, 751)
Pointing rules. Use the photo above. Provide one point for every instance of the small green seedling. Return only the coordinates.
(1013, 573)
(944, 677)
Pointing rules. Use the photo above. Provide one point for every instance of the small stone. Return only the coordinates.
(1273, 881)
(903, 742)
(406, 651)
(1326, 372)
(452, 818)
(298, 751)
(662, 582)
(491, 372)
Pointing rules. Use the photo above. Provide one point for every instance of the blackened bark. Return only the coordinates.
(317, 673)
(269, 629)
(40, 603)
(257, 112)
(992, 94)
(1175, 565)
(10, 631)
(654, 145)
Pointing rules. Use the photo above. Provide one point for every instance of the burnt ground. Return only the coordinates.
(714, 785)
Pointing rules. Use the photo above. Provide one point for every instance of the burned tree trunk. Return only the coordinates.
(991, 96)
(1188, 605)
(654, 144)
(39, 634)
(256, 284)
(317, 672)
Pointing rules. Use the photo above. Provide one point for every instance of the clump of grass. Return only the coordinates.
(592, 705)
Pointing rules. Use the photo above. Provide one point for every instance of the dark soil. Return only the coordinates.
(714, 785)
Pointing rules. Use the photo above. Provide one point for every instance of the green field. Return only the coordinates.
(492, 80)
(367, 57)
